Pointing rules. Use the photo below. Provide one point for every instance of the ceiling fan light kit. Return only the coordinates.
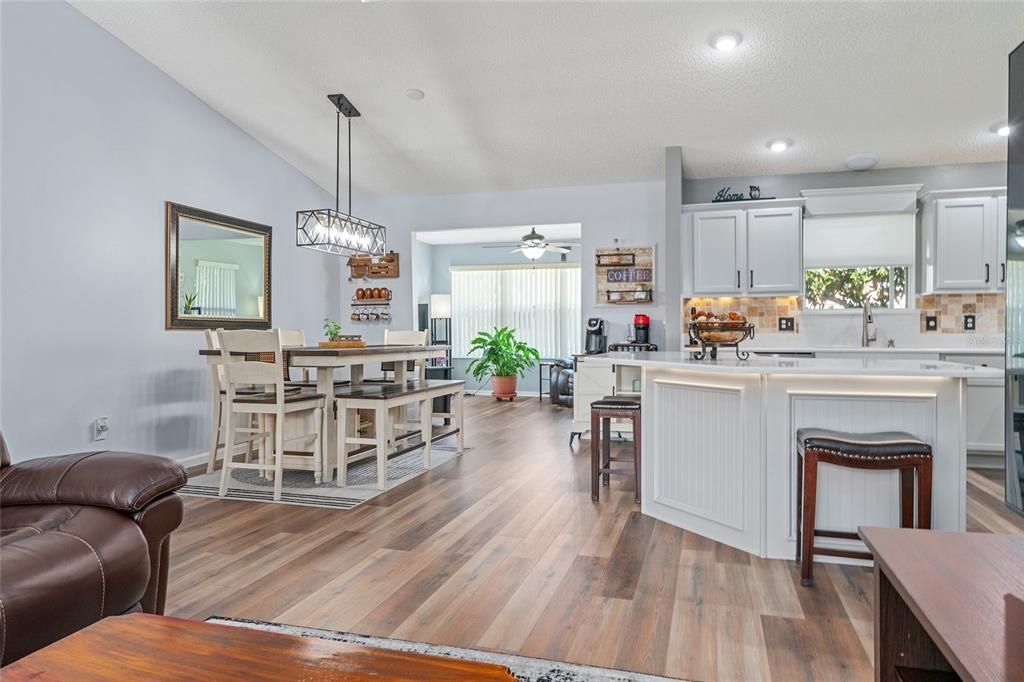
(329, 230)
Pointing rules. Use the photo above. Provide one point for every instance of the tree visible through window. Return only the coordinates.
(838, 288)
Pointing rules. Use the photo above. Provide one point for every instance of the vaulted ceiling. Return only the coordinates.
(522, 95)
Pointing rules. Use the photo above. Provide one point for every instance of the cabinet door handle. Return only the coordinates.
(986, 273)
(1002, 272)
(738, 279)
(751, 279)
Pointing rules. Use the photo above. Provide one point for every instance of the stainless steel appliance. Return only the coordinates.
(597, 340)
(1015, 284)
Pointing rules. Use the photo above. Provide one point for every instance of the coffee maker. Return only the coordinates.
(597, 341)
(641, 329)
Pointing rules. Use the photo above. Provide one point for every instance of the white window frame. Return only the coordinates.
(911, 293)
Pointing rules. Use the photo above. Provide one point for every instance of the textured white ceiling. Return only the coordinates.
(523, 95)
(494, 235)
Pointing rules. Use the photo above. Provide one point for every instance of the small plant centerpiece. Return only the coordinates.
(335, 339)
(503, 357)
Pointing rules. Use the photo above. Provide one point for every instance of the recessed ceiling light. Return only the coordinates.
(414, 94)
(862, 161)
(1002, 129)
(726, 42)
(779, 145)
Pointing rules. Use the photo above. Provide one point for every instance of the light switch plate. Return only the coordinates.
(931, 323)
(969, 325)
(787, 324)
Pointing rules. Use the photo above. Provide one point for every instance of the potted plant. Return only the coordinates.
(503, 358)
(189, 303)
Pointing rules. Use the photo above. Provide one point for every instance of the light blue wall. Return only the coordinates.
(94, 140)
(703, 190)
(443, 257)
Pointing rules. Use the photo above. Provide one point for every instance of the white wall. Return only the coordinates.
(632, 212)
(95, 139)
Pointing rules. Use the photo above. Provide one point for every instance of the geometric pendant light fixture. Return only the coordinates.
(330, 230)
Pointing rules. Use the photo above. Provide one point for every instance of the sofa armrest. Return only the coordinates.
(122, 481)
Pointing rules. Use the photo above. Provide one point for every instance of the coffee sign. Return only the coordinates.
(622, 275)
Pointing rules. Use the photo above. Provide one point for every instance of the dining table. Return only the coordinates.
(326, 360)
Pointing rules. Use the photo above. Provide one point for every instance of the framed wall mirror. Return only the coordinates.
(218, 270)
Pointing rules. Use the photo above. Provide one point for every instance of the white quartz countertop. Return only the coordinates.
(820, 366)
(880, 351)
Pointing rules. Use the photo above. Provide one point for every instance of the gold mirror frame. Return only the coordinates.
(174, 212)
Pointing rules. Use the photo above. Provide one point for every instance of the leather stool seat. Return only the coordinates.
(616, 402)
(884, 445)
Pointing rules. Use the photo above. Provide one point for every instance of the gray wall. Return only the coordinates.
(443, 257)
(703, 190)
(94, 140)
(631, 212)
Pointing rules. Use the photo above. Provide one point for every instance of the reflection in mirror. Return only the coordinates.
(218, 271)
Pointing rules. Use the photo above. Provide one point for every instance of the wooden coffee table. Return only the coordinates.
(146, 647)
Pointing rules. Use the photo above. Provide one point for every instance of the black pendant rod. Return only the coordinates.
(349, 166)
(337, 162)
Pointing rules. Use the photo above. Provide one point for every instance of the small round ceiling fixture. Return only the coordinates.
(778, 146)
(1002, 129)
(415, 94)
(726, 42)
(861, 161)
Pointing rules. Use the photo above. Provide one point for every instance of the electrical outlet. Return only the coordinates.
(931, 323)
(969, 323)
(100, 428)
(786, 324)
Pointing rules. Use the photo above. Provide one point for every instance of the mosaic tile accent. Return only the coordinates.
(989, 311)
(764, 312)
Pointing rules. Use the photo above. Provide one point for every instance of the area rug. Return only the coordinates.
(524, 668)
(298, 487)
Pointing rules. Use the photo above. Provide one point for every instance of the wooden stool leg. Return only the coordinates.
(595, 453)
(799, 501)
(907, 497)
(636, 454)
(810, 489)
(924, 494)
(606, 449)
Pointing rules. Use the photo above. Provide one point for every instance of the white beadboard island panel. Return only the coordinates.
(706, 476)
(719, 441)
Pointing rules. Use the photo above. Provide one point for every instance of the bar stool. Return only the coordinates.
(601, 414)
(889, 450)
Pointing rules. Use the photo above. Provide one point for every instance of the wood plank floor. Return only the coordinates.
(502, 549)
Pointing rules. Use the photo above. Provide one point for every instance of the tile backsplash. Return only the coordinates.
(763, 312)
(989, 311)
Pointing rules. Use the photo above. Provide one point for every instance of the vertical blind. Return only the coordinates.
(542, 303)
(215, 284)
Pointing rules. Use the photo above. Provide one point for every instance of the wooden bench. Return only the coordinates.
(382, 400)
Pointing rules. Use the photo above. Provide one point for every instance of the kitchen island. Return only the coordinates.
(719, 440)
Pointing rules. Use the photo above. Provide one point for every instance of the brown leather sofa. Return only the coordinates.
(82, 536)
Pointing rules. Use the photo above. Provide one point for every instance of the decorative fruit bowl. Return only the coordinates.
(712, 331)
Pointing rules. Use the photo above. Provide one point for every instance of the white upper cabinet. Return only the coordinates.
(774, 251)
(964, 240)
(752, 248)
(717, 251)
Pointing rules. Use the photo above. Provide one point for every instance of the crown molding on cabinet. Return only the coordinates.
(971, 192)
(884, 199)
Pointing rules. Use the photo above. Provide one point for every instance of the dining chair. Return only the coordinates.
(218, 416)
(272, 407)
(406, 337)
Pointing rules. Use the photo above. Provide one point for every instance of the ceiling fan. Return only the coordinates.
(533, 246)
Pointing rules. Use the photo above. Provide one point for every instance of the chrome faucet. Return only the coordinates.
(866, 340)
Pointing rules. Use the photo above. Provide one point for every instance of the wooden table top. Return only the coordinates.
(344, 352)
(966, 589)
(145, 647)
